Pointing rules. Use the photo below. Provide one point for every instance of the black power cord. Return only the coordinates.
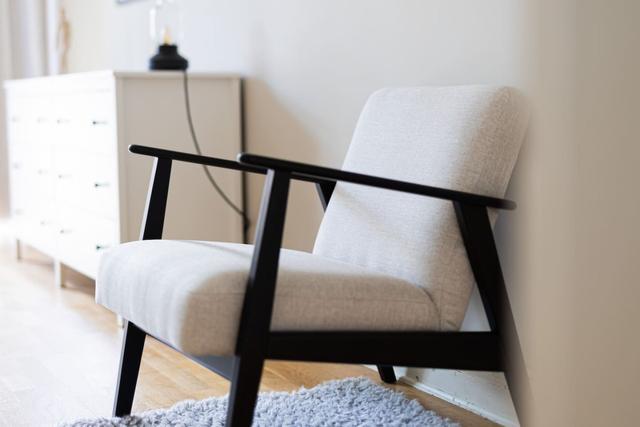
(196, 144)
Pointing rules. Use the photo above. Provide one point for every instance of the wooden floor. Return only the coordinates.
(59, 353)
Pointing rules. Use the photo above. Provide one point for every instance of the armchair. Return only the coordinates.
(389, 278)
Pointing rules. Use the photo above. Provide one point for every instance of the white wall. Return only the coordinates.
(310, 66)
(608, 202)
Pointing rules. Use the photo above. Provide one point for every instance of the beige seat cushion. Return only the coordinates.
(190, 293)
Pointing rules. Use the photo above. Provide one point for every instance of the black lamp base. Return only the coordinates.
(168, 58)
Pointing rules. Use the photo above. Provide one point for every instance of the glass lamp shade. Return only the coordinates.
(165, 22)
(165, 25)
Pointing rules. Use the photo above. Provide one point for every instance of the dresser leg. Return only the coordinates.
(58, 273)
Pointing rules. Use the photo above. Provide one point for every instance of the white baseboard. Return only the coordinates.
(482, 393)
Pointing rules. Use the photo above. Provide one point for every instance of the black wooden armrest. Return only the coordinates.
(309, 172)
(194, 158)
(181, 156)
(306, 172)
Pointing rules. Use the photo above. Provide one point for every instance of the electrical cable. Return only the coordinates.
(196, 144)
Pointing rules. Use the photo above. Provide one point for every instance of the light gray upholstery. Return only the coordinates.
(383, 260)
(190, 293)
(463, 138)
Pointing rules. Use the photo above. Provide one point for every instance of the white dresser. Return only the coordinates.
(76, 190)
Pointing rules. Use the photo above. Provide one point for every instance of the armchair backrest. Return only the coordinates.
(464, 138)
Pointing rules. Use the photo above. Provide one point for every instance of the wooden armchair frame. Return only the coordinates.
(494, 350)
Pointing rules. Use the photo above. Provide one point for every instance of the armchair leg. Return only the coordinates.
(477, 235)
(130, 357)
(253, 332)
(245, 384)
(387, 374)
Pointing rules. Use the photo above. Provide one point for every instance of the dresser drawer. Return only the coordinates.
(83, 238)
(65, 121)
(19, 186)
(85, 121)
(100, 115)
(41, 168)
(41, 230)
(17, 118)
(87, 181)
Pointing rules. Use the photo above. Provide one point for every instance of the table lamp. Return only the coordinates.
(165, 19)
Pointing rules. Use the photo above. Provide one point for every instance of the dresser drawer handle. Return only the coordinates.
(44, 222)
(41, 171)
(100, 184)
(99, 122)
(62, 121)
(65, 231)
(64, 176)
(102, 247)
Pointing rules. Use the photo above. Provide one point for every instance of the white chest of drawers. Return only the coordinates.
(75, 189)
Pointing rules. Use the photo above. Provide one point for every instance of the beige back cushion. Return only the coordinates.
(464, 138)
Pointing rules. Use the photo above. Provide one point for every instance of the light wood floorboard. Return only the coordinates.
(59, 353)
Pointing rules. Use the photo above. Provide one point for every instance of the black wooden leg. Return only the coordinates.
(253, 332)
(387, 374)
(130, 357)
(477, 235)
(244, 391)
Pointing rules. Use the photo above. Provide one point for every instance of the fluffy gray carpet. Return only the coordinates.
(348, 402)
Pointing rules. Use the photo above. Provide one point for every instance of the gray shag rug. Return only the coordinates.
(348, 402)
